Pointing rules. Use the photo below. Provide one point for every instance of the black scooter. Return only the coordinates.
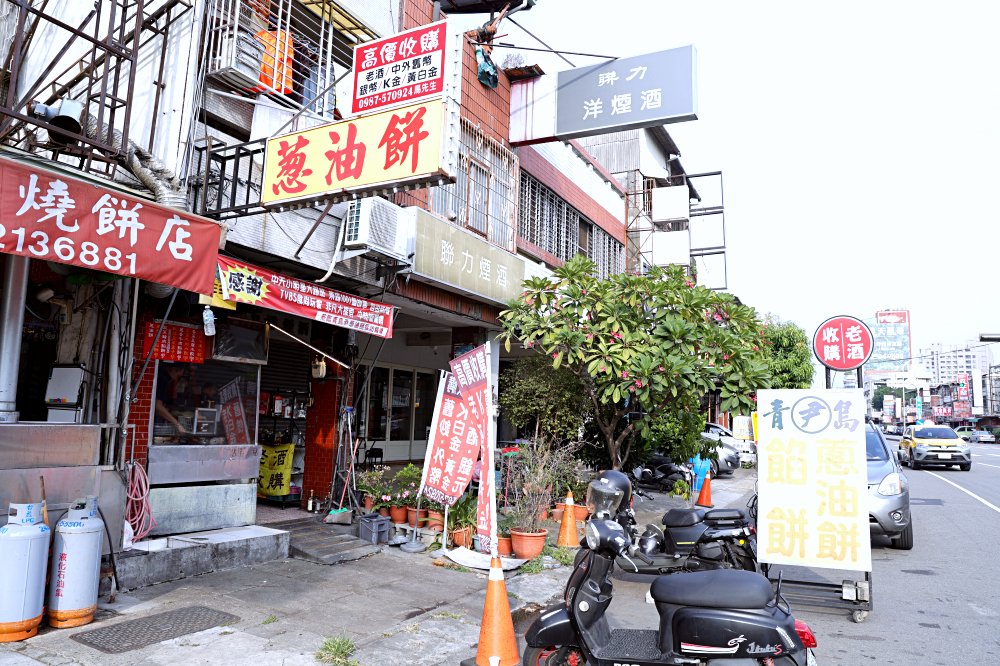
(662, 476)
(690, 540)
(721, 618)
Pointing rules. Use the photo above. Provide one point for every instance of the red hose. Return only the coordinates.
(138, 512)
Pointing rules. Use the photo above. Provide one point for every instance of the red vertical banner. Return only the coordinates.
(473, 376)
(453, 446)
(233, 417)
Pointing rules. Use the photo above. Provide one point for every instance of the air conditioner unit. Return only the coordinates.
(671, 208)
(380, 228)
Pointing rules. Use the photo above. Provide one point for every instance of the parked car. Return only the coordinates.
(964, 431)
(982, 437)
(934, 445)
(728, 456)
(747, 449)
(888, 493)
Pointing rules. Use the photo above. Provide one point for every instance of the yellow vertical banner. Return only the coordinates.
(275, 470)
(813, 479)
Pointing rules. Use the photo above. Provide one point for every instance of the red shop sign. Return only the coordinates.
(843, 343)
(404, 67)
(52, 217)
(246, 283)
(453, 446)
(178, 342)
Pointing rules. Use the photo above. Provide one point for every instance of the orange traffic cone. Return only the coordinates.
(568, 536)
(497, 644)
(705, 496)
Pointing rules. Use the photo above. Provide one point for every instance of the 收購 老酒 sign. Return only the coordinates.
(388, 149)
(405, 67)
(813, 479)
(642, 91)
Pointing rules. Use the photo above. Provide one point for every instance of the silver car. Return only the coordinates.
(888, 493)
(982, 437)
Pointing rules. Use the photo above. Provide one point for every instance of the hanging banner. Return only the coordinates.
(474, 379)
(453, 446)
(813, 479)
(275, 470)
(233, 415)
(178, 342)
(52, 217)
(246, 283)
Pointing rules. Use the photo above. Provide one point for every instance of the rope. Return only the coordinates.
(138, 513)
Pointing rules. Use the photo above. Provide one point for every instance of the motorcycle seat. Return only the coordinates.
(683, 517)
(722, 588)
(725, 516)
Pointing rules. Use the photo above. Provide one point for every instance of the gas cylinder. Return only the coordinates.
(76, 565)
(24, 551)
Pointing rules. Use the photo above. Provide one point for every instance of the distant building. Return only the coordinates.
(946, 363)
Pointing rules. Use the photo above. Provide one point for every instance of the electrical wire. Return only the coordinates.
(138, 511)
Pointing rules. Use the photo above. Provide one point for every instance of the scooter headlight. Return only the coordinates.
(593, 536)
(606, 536)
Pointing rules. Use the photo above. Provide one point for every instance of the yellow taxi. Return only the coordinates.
(923, 445)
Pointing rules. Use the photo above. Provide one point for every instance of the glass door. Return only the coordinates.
(401, 424)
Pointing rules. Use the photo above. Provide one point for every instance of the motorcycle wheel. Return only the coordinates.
(552, 655)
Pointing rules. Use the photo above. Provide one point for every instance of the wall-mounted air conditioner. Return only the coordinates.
(380, 228)
(671, 208)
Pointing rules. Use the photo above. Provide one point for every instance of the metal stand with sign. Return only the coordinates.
(820, 529)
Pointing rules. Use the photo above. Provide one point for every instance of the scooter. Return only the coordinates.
(662, 475)
(720, 618)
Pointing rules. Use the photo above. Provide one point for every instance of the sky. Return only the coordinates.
(858, 141)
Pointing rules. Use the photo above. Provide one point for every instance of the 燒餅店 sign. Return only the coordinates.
(388, 149)
(812, 476)
(245, 283)
(51, 217)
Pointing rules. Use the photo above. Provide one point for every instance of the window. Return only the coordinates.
(423, 408)
(484, 195)
(402, 405)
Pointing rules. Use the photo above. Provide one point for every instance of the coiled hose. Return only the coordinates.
(138, 512)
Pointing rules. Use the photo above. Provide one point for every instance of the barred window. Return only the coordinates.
(483, 197)
(546, 220)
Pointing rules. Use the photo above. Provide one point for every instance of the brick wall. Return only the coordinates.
(321, 437)
(142, 391)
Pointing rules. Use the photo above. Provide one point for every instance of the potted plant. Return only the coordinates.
(504, 546)
(405, 485)
(435, 514)
(538, 469)
(373, 485)
(462, 520)
(575, 482)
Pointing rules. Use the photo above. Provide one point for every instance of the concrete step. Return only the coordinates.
(315, 541)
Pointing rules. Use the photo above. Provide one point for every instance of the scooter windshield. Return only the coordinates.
(603, 500)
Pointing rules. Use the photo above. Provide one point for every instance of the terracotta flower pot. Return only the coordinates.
(557, 514)
(383, 511)
(462, 537)
(414, 517)
(528, 545)
(543, 514)
(397, 514)
(435, 521)
(369, 503)
(504, 547)
(579, 510)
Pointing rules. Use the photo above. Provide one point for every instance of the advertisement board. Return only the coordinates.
(842, 343)
(52, 217)
(891, 352)
(353, 157)
(453, 446)
(401, 68)
(813, 479)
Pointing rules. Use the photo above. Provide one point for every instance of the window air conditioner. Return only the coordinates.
(381, 228)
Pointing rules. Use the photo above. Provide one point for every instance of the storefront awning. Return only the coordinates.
(52, 217)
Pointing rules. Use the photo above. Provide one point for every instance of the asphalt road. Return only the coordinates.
(940, 602)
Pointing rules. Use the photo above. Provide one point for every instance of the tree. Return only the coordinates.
(789, 357)
(640, 344)
(550, 402)
(878, 397)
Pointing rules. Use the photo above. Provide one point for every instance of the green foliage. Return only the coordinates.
(789, 356)
(463, 512)
(681, 488)
(640, 344)
(564, 556)
(878, 396)
(373, 481)
(678, 434)
(996, 433)
(550, 402)
(405, 484)
(337, 651)
(538, 468)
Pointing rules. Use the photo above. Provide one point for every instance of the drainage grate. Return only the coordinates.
(135, 634)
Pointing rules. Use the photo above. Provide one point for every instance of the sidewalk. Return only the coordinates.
(396, 607)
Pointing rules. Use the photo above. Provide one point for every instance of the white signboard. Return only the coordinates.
(813, 480)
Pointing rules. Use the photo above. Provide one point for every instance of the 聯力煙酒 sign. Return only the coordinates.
(401, 68)
(52, 217)
(391, 148)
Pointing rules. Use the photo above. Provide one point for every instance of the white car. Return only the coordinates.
(747, 448)
(982, 437)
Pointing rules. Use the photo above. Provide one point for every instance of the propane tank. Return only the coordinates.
(76, 566)
(24, 550)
